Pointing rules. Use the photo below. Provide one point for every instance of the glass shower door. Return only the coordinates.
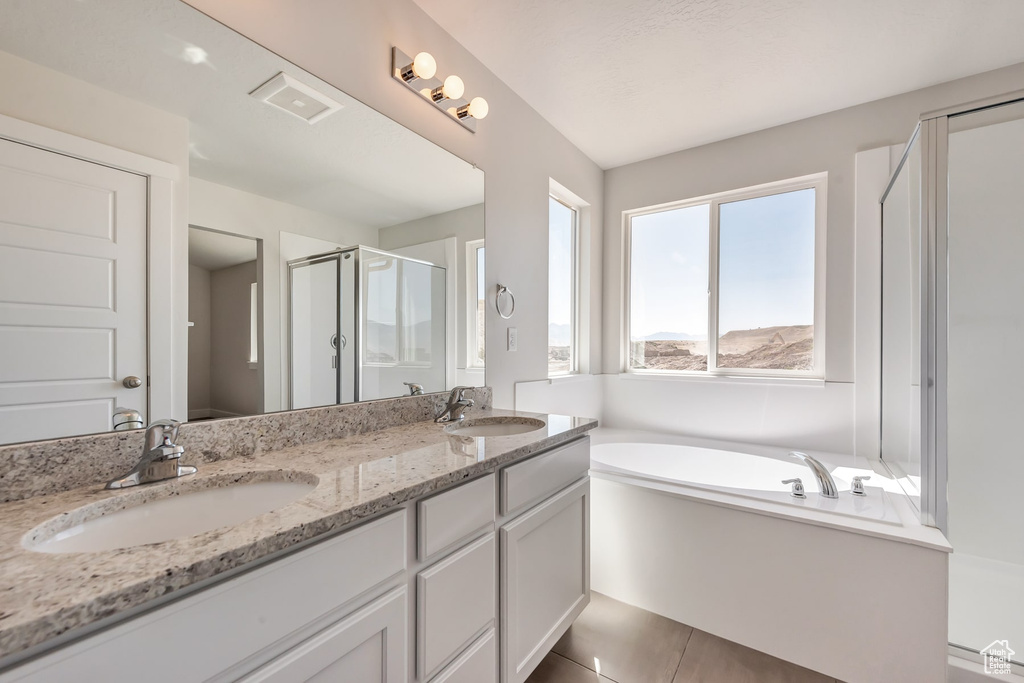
(985, 373)
(315, 334)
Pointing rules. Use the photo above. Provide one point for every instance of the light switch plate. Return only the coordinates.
(513, 339)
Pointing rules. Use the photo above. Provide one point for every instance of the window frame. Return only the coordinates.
(819, 183)
(474, 335)
(574, 313)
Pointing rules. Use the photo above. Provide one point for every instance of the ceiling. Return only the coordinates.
(627, 80)
(356, 164)
(212, 250)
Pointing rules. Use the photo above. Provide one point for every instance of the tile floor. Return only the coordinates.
(636, 646)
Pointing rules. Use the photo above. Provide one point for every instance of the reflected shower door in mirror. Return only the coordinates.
(365, 324)
(259, 157)
(901, 322)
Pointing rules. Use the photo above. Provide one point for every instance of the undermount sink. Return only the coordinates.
(495, 426)
(152, 515)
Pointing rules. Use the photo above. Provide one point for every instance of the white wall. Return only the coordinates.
(348, 43)
(274, 223)
(198, 342)
(808, 416)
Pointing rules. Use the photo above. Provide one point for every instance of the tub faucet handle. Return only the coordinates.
(857, 486)
(798, 487)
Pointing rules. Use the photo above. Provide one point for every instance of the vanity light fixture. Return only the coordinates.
(477, 108)
(452, 89)
(422, 65)
(418, 74)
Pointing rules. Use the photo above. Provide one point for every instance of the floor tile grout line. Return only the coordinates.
(582, 666)
(682, 654)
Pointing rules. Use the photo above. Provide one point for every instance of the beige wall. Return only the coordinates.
(234, 385)
(198, 342)
(348, 43)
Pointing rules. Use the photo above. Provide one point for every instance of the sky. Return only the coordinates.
(560, 258)
(766, 271)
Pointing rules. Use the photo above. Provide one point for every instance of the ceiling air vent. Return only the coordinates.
(298, 99)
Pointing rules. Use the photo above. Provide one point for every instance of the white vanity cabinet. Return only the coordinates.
(286, 609)
(473, 584)
(545, 554)
(368, 646)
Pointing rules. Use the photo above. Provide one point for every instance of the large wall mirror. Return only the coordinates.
(333, 255)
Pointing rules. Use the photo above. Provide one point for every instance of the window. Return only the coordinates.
(563, 221)
(731, 284)
(476, 299)
(254, 332)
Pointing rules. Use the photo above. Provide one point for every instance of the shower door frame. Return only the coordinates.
(302, 263)
(355, 291)
(934, 136)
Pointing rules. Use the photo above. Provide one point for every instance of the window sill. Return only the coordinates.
(725, 379)
(568, 377)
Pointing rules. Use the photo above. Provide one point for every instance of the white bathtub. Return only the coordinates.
(747, 475)
(707, 534)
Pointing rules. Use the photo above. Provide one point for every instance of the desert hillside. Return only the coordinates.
(779, 348)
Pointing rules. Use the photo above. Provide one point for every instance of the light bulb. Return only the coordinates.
(452, 89)
(477, 108)
(423, 66)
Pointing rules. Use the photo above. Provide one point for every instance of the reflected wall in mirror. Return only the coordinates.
(270, 180)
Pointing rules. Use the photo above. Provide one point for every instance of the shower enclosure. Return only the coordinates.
(364, 324)
(952, 360)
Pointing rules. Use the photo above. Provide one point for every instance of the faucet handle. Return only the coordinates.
(798, 487)
(857, 485)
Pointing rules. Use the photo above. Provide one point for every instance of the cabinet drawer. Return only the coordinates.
(369, 646)
(235, 626)
(449, 519)
(456, 602)
(478, 664)
(531, 481)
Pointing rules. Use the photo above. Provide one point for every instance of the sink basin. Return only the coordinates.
(151, 515)
(495, 426)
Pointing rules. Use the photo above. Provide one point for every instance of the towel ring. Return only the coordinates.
(502, 289)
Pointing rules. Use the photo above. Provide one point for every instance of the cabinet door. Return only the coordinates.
(545, 578)
(368, 646)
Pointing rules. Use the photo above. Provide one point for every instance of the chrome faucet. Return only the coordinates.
(160, 457)
(826, 485)
(457, 404)
(414, 388)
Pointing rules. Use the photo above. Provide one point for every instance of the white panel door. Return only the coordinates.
(72, 293)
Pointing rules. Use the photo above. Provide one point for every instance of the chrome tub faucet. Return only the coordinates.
(160, 457)
(457, 404)
(826, 485)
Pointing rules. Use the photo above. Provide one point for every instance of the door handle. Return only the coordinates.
(131, 382)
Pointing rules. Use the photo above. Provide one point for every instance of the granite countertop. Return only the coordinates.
(43, 595)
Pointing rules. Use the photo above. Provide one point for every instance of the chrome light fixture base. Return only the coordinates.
(424, 87)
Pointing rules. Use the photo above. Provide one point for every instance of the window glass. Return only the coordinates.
(766, 282)
(561, 288)
(669, 290)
